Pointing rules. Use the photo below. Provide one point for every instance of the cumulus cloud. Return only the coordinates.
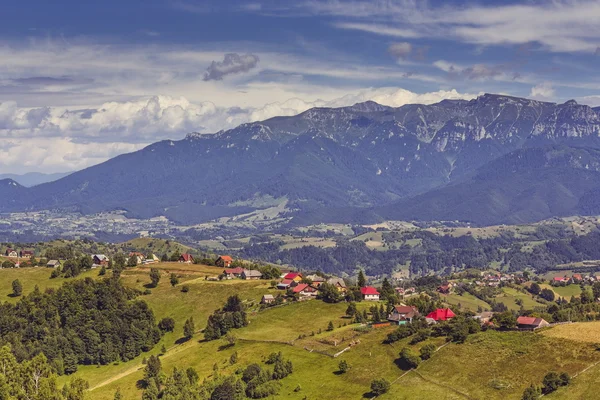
(233, 63)
(400, 50)
(542, 91)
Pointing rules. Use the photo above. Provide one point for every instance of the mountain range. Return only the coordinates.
(493, 159)
(30, 179)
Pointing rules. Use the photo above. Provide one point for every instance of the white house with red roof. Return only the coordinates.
(305, 291)
(186, 258)
(369, 293)
(531, 323)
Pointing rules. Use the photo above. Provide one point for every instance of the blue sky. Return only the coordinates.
(81, 81)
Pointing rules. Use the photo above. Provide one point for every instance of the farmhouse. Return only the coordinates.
(267, 299)
(441, 314)
(53, 264)
(577, 278)
(251, 274)
(484, 318)
(403, 314)
(531, 323)
(444, 289)
(186, 258)
(224, 261)
(369, 293)
(305, 291)
(338, 283)
(286, 284)
(316, 279)
(139, 257)
(560, 279)
(231, 273)
(11, 253)
(26, 254)
(100, 259)
(294, 276)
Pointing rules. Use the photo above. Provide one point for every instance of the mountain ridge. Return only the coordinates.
(362, 156)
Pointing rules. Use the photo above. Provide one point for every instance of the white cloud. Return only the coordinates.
(559, 25)
(400, 50)
(542, 91)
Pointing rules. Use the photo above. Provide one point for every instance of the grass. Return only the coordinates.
(510, 297)
(565, 291)
(467, 302)
(490, 365)
(31, 277)
(581, 331)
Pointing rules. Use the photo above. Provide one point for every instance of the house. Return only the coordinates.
(267, 299)
(577, 278)
(444, 289)
(403, 314)
(441, 314)
(338, 283)
(100, 259)
(484, 318)
(251, 274)
(26, 254)
(151, 259)
(531, 323)
(287, 284)
(224, 261)
(294, 276)
(316, 279)
(560, 279)
(186, 258)
(369, 293)
(231, 273)
(11, 253)
(305, 291)
(53, 264)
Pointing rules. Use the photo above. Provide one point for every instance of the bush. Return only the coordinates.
(166, 324)
(531, 393)
(380, 386)
(421, 335)
(408, 359)
(343, 366)
(185, 288)
(427, 351)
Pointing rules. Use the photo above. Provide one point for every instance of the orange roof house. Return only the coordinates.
(224, 261)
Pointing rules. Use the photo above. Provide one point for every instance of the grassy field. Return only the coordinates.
(564, 291)
(490, 365)
(510, 297)
(467, 302)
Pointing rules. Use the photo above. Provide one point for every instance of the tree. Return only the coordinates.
(154, 276)
(565, 379)
(551, 382)
(174, 280)
(118, 395)
(351, 310)
(534, 288)
(188, 328)
(408, 359)
(531, 393)
(547, 294)
(361, 280)
(166, 324)
(427, 351)
(164, 258)
(17, 288)
(596, 290)
(505, 319)
(387, 291)
(329, 293)
(132, 261)
(343, 366)
(152, 371)
(119, 261)
(330, 326)
(151, 391)
(102, 271)
(85, 262)
(380, 386)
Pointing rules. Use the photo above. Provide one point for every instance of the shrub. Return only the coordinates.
(166, 324)
(185, 288)
(380, 386)
(408, 359)
(343, 366)
(427, 351)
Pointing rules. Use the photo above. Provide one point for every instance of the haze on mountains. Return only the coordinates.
(494, 159)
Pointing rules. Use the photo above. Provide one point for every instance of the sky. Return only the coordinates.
(82, 81)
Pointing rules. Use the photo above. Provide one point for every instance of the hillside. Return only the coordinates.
(483, 367)
(325, 162)
(524, 186)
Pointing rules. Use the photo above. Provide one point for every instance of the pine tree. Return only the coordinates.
(330, 326)
(151, 392)
(188, 328)
(362, 281)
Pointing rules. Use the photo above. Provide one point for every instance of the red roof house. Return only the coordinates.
(531, 323)
(186, 258)
(441, 314)
(305, 290)
(224, 261)
(577, 277)
(233, 272)
(369, 293)
(293, 276)
(560, 279)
